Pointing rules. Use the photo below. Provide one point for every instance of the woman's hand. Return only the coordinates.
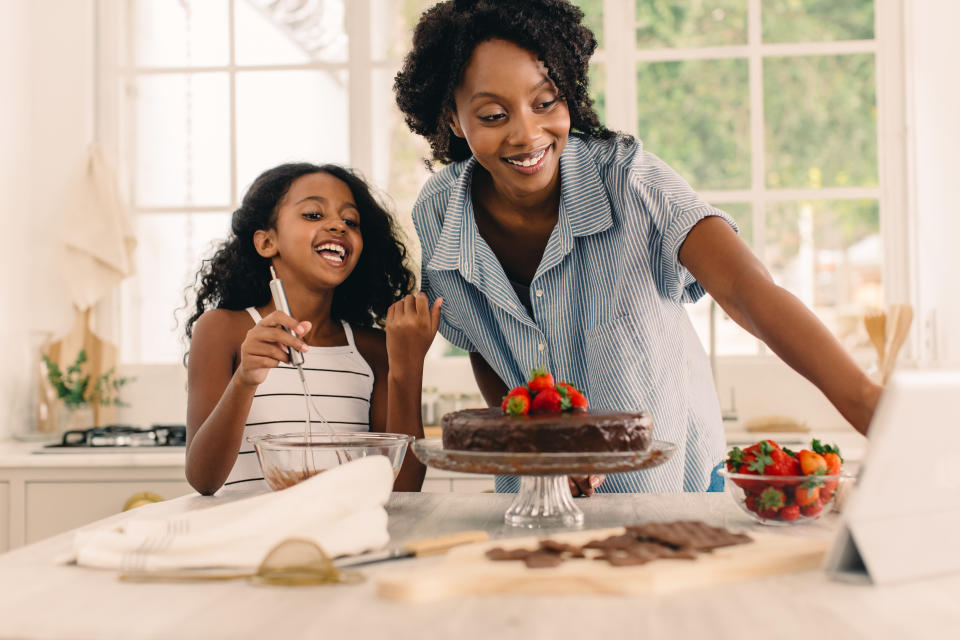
(265, 347)
(411, 326)
(584, 485)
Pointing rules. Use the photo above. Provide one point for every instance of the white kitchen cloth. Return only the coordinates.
(341, 510)
(97, 234)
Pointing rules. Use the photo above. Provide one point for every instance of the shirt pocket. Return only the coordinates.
(619, 372)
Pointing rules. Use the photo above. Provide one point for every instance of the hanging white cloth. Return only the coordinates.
(97, 232)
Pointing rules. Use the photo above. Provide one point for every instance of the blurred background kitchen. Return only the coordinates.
(130, 128)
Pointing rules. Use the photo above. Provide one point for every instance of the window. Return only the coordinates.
(215, 92)
(769, 109)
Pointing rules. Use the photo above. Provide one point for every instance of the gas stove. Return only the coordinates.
(119, 437)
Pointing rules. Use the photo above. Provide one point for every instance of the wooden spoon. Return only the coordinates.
(902, 315)
(876, 323)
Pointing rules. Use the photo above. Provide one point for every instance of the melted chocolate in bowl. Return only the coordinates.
(278, 479)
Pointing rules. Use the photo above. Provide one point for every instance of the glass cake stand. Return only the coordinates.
(544, 500)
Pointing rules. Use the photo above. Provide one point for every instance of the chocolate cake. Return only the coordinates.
(491, 430)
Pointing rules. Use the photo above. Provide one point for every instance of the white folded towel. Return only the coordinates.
(342, 510)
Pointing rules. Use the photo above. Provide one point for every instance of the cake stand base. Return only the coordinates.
(544, 502)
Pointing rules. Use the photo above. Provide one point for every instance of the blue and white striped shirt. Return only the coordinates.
(607, 299)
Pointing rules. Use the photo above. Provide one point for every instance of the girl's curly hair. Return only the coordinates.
(237, 277)
(445, 39)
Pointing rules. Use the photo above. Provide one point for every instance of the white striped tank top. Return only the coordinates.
(341, 383)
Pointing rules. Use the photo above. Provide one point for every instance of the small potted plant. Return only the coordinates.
(79, 392)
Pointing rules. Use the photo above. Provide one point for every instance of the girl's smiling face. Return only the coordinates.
(317, 230)
(513, 118)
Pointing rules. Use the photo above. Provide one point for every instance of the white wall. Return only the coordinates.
(46, 73)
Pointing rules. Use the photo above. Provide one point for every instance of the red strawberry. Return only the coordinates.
(756, 447)
(572, 398)
(734, 459)
(540, 380)
(811, 509)
(546, 401)
(770, 501)
(516, 391)
(578, 401)
(518, 405)
(751, 502)
(790, 513)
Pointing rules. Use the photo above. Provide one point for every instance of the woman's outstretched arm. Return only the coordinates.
(741, 285)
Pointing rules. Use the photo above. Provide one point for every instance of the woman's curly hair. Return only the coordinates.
(445, 39)
(237, 277)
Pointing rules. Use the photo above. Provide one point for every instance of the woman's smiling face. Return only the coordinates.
(513, 118)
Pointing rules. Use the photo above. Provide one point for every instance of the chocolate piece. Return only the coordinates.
(490, 430)
(498, 553)
(559, 547)
(543, 560)
(689, 534)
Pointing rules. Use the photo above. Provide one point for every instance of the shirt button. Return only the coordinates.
(541, 346)
(539, 293)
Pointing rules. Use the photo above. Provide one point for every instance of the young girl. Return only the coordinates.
(557, 243)
(337, 253)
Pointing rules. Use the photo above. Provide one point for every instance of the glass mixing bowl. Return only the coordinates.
(289, 458)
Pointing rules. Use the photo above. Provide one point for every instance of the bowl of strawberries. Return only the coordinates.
(777, 486)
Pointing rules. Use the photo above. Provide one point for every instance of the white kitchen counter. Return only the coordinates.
(43, 599)
(20, 455)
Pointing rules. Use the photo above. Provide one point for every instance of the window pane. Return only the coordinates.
(597, 76)
(399, 167)
(271, 32)
(690, 23)
(182, 140)
(742, 214)
(817, 20)
(821, 121)
(170, 247)
(695, 116)
(187, 33)
(290, 116)
(593, 17)
(830, 255)
(392, 26)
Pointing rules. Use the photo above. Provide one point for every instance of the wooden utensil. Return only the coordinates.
(901, 316)
(466, 571)
(875, 322)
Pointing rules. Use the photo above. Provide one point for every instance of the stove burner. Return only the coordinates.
(119, 435)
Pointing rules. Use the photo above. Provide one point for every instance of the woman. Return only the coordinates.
(557, 243)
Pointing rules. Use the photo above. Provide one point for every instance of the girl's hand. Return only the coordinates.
(584, 485)
(264, 347)
(411, 326)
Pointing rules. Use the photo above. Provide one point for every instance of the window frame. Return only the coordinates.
(620, 57)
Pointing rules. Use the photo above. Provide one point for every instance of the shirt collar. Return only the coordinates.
(584, 210)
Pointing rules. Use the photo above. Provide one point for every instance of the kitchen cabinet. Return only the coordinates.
(55, 507)
(45, 494)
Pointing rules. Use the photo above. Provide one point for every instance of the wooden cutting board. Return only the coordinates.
(465, 571)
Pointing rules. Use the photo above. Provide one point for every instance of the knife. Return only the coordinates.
(415, 549)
